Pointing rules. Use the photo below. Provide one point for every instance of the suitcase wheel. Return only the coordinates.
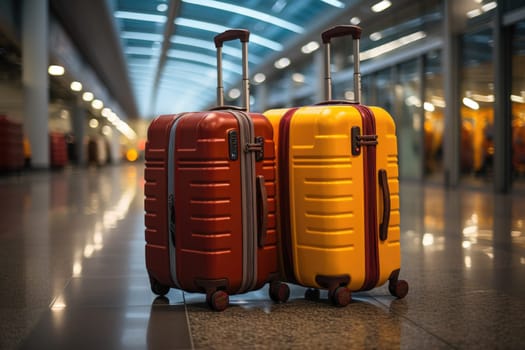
(158, 288)
(218, 300)
(312, 294)
(398, 288)
(340, 296)
(279, 292)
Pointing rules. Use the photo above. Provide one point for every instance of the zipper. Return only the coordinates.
(171, 171)
(370, 199)
(284, 194)
(248, 200)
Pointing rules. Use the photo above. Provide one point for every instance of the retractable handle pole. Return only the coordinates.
(337, 31)
(233, 34)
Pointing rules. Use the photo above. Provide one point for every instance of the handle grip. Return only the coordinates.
(383, 185)
(242, 34)
(341, 30)
(338, 31)
(262, 211)
(232, 34)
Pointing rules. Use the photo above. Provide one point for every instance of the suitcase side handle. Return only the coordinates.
(232, 34)
(262, 211)
(383, 185)
(338, 31)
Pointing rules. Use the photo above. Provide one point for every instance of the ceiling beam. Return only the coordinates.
(173, 12)
(91, 27)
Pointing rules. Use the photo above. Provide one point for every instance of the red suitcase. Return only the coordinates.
(57, 150)
(210, 199)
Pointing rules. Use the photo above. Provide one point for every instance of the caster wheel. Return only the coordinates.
(158, 288)
(312, 294)
(279, 292)
(218, 300)
(340, 296)
(398, 288)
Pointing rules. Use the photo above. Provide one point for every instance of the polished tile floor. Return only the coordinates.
(73, 277)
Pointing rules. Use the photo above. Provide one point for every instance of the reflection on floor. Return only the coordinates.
(73, 276)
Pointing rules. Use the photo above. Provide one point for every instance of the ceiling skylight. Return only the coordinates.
(247, 12)
(216, 28)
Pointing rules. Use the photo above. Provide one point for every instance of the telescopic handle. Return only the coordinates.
(243, 35)
(338, 31)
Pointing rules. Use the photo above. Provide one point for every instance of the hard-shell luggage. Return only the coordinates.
(338, 192)
(11, 145)
(210, 199)
(57, 150)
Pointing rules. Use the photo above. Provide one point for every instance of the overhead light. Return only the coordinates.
(517, 99)
(355, 20)
(88, 96)
(413, 101)
(76, 86)
(310, 47)
(381, 6)
(429, 107)
(215, 28)
(93, 123)
(97, 104)
(392, 45)
(234, 93)
(106, 112)
(483, 98)
(282, 63)
(298, 78)
(474, 13)
(162, 7)
(470, 103)
(259, 78)
(350, 95)
(247, 12)
(438, 101)
(334, 3)
(489, 6)
(139, 16)
(375, 36)
(106, 130)
(484, 8)
(56, 70)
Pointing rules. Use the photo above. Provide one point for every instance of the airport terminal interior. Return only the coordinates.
(81, 82)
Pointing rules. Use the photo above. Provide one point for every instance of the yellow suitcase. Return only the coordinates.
(338, 192)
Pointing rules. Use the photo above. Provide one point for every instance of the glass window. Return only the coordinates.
(518, 103)
(434, 117)
(408, 101)
(477, 107)
(509, 5)
(384, 91)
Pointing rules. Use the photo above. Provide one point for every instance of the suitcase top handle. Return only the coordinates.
(243, 35)
(337, 31)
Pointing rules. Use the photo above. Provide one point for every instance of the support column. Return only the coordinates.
(451, 136)
(35, 78)
(502, 106)
(114, 145)
(319, 63)
(79, 131)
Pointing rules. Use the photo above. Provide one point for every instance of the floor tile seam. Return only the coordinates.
(188, 325)
(415, 324)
